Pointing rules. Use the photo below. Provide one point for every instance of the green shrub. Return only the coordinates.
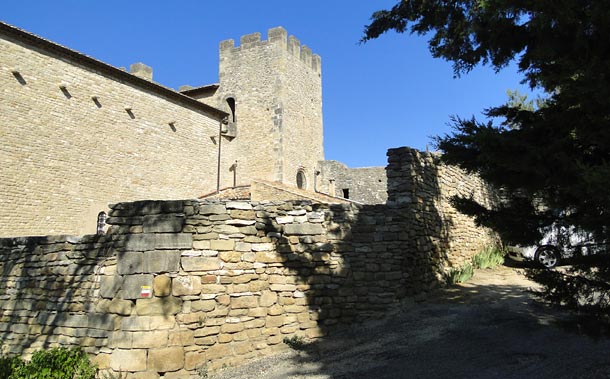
(488, 258)
(459, 274)
(8, 365)
(56, 363)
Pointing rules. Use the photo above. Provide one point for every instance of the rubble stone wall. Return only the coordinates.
(177, 286)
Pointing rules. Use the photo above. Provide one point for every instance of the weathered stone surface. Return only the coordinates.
(239, 205)
(145, 242)
(130, 263)
(186, 285)
(128, 360)
(303, 229)
(167, 359)
(163, 223)
(143, 323)
(268, 298)
(222, 245)
(161, 261)
(201, 263)
(244, 302)
(120, 307)
(132, 286)
(149, 339)
(162, 285)
(110, 285)
(209, 209)
(162, 306)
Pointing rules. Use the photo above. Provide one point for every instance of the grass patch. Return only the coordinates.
(490, 257)
(459, 274)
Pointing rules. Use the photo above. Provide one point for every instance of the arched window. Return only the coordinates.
(301, 180)
(101, 223)
(231, 104)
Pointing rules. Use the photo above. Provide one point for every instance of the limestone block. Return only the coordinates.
(186, 285)
(161, 261)
(110, 285)
(102, 361)
(149, 339)
(263, 247)
(240, 222)
(167, 359)
(232, 328)
(269, 257)
(230, 256)
(209, 209)
(303, 229)
(162, 285)
(137, 323)
(275, 321)
(128, 360)
(243, 214)
(193, 360)
(132, 286)
(219, 351)
(244, 302)
(181, 338)
(267, 298)
(222, 245)
(201, 263)
(149, 241)
(141, 375)
(238, 205)
(203, 305)
(284, 219)
(120, 339)
(158, 306)
(163, 223)
(130, 263)
(120, 307)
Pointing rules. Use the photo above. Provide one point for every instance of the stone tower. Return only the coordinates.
(273, 91)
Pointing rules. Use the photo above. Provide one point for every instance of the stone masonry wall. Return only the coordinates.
(65, 156)
(423, 186)
(179, 285)
(367, 185)
(277, 88)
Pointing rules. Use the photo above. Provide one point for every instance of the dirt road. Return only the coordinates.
(488, 328)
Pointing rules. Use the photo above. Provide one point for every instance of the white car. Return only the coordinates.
(558, 243)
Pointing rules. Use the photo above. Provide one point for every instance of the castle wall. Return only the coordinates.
(65, 157)
(366, 185)
(277, 88)
(178, 286)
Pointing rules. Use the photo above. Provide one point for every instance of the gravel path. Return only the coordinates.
(488, 328)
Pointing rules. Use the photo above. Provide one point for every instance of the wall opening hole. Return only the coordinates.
(231, 104)
(19, 78)
(301, 180)
(96, 101)
(172, 126)
(130, 113)
(65, 91)
(101, 223)
(345, 193)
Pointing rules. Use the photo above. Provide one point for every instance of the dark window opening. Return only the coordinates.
(231, 103)
(345, 193)
(301, 182)
(101, 223)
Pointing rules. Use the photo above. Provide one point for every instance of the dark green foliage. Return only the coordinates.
(56, 363)
(550, 162)
(9, 365)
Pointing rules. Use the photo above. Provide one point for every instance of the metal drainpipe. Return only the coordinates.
(223, 122)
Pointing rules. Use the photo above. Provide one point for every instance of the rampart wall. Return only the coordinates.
(179, 285)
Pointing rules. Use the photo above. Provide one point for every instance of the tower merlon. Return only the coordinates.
(279, 38)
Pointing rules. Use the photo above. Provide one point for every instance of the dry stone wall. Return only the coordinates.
(177, 286)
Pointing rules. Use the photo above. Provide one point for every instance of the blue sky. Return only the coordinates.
(386, 93)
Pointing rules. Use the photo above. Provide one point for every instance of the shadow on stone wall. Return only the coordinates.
(180, 285)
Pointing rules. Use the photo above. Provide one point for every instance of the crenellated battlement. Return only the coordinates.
(276, 37)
